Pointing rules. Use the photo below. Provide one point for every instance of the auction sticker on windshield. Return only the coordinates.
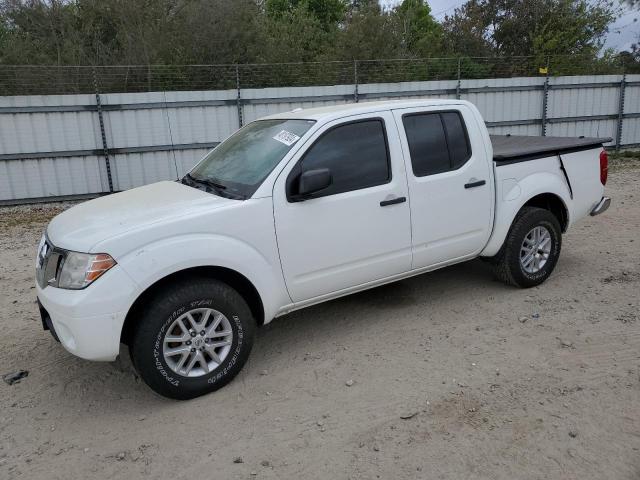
(287, 138)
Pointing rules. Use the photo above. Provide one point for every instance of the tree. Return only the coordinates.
(216, 31)
(296, 35)
(532, 28)
(421, 35)
(328, 12)
(178, 32)
(369, 33)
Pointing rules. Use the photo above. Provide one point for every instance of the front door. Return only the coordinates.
(358, 229)
(450, 183)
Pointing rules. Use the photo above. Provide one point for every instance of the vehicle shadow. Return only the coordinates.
(370, 309)
(292, 336)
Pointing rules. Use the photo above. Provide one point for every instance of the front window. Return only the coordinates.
(238, 166)
(356, 154)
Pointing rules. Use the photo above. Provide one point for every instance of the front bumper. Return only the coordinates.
(601, 207)
(88, 322)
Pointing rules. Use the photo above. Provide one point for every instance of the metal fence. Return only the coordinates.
(73, 131)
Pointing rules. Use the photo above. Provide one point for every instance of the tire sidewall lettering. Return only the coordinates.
(231, 359)
(157, 348)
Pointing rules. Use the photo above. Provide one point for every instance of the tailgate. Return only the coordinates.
(583, 172)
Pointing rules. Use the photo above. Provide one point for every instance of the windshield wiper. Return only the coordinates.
(214, 185)
(205, 181)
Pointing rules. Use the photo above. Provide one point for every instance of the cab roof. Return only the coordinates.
(339, 111)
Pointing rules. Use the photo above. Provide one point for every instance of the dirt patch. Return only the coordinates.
(622, 277)
(438, 376)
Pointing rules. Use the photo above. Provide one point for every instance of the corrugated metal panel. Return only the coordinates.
(157, 121)
(587, 128)
(516, 130)
(253, 111)
(514, 105)
(632, 95)
(631, 126)
(167, 125)
(584, 101)
(410, 90)
(47, 132)
(135, 169)
(47, 177)
(631, 131)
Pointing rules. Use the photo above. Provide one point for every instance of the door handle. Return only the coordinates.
(474, 183)
(393, 201)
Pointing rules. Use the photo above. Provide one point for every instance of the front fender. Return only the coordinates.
(513, 194)
(155, 261)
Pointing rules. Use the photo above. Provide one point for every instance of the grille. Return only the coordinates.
(48, 265)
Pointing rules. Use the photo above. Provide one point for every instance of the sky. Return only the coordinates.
(622, 33)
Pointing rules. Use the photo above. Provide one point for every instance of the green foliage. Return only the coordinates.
(179, 32)
(327, 12)
(296, 35)
(421, 34)
(368, 33)
(536, 28)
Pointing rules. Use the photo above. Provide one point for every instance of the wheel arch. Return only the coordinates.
(554, 198)
(552, 203)
(229, 276)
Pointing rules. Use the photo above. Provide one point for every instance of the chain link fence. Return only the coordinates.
(49, 80)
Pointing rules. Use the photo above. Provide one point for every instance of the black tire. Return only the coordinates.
(165, 306)
(507, 266)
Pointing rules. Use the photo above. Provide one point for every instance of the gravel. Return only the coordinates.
(400, 345)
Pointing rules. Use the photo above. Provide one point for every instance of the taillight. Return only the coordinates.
(604, 166)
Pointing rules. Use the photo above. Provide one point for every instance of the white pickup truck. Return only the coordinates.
(300, 208)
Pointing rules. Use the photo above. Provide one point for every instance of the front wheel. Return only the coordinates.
(531, 249)
(192, 338)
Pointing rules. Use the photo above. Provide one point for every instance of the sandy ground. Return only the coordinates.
(488, 394)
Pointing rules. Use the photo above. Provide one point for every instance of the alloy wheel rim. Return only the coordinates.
(197, 342)
(535, 250)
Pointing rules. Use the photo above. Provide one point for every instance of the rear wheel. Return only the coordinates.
(192, 338)
(531, 249)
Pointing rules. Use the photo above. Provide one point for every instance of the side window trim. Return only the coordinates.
(446, 137)
(297, 168)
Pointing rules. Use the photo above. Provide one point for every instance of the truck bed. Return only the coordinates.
(519, 148)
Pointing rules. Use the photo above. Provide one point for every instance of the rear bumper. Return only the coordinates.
(601, 207)
(88, 322)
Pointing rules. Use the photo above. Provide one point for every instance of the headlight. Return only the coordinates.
(81, 269)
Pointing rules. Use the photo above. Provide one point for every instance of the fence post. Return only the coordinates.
(459, 79)
(355, 80)
(623, 84)
(545, 101)
(105, 148)
(239, 98)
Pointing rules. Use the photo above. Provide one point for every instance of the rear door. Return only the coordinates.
(450, 183)
(355, 231)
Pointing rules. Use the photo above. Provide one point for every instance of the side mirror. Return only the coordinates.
(313, 181)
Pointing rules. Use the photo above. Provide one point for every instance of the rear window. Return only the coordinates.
(438, 142)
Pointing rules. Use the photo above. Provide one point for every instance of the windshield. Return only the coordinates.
(237, 166)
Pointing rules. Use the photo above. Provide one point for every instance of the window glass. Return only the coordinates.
(438, 142)
(427, 144)
(457, 139)
(355, 153)
(243, 161)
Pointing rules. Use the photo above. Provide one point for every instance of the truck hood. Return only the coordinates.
(83, 226)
